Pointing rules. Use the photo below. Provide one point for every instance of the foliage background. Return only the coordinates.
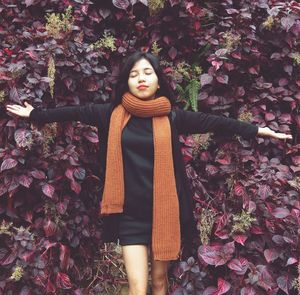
(233, 58)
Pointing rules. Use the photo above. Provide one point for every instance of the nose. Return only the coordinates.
(141, 78)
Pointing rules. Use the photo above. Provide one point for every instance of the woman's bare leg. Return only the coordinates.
(159, 276)
(136, 265)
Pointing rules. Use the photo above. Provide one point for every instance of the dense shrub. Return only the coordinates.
(234, 58)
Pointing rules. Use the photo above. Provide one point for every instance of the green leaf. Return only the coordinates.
(193, 91)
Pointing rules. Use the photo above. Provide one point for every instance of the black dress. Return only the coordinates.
(135, 223)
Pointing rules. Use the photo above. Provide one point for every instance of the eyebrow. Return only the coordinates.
(143, 69)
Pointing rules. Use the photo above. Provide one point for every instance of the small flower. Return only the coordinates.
(296, 57)
(155, 6)
(205, 225)
(56, 23)
(231, 40)
(107, 41)
(17, 274)
(2, 95)
(242, 222)
(296, 281)
(5, 228)
(245, 116)
(269, 23)
(51, 74)
(155, 49)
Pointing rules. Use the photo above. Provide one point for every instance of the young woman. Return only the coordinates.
(146, 203)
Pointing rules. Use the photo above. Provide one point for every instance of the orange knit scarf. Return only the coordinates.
(166, 224)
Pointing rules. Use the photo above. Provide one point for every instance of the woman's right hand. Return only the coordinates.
(19, 110)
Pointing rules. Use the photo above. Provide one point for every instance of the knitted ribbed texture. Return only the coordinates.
(166, 223)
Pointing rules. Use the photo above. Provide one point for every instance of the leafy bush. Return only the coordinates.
(232, 58)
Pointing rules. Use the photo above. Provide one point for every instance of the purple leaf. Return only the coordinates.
(50, 228)
(271, 255)
(280, 212)
(8, 164)
(25, 180)
(283, 283)
(216, 255)
(287, 22)
(91, 136)
(291, 261)
(205, 79)
(121, 4)
(248, 291)
(172, 52)
(240, 266)
(22, 137)
(209, 291)
(79, 173)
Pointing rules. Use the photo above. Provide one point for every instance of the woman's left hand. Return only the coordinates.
(266, 131)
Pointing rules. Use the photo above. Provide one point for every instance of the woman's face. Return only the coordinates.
(143, 74)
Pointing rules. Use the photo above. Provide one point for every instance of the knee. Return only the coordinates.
(159, 282)
(136, 287)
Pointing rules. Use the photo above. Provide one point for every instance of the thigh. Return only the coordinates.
(136, 263)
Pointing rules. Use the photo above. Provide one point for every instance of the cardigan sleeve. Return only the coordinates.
(188, 122)
(91, 114)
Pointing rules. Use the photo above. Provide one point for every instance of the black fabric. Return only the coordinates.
(182, 122)
(133, 231)
(138, 161)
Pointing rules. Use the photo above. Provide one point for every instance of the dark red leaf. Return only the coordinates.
(223, 286)
(172, 52)
(69, 174)
(241, 239)
(50, 289)
(64, 257)
(50, 228)
(222, 79)
(38, 174)
(63, 281)
(8, 259)
(48, 190)
(76, 187)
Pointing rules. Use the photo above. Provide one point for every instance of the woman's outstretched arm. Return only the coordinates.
(189, 122)
(89, 114)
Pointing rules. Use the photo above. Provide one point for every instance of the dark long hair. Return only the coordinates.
(121, 85)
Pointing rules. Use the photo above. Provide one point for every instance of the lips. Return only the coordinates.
(142, 87)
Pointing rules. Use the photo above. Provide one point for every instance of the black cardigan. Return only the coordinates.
(182, 122)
